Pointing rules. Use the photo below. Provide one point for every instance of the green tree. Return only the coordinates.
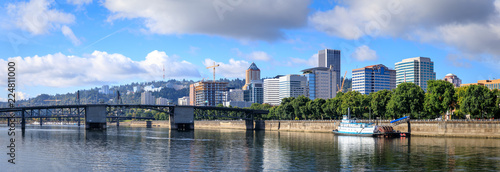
(440, 97)
(287, 111)
(407, 98)
(299, 106)
(477, 101)
(379, 102)
(353, 100)
(459, 96)
(316, 107)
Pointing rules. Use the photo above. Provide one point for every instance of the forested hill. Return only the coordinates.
(171, 89)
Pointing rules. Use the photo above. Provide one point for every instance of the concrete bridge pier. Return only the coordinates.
(182, 118)
(95, 117)
(41, 121)
(23, 121)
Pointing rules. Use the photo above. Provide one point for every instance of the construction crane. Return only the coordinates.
(214, 68)
(343, 80)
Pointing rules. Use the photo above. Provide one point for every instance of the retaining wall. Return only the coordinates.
(484, 129)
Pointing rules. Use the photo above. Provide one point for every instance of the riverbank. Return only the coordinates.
(470, 129)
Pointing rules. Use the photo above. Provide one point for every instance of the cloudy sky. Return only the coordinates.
(60, 46)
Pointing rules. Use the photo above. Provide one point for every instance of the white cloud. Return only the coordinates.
(70, 35)
(59, 70)
(79, 2)
(253, 56)
(22, 96)
(244, 20)
(312, 61)
(37, 16)
(468, 26)
(233, 69)
(364, 53)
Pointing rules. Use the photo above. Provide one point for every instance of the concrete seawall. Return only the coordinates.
(483, 129)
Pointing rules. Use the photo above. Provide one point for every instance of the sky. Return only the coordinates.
(61, 46)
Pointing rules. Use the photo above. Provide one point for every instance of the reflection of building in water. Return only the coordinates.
(274, 154)
(353, 148)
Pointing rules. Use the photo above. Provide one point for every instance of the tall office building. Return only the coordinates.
(147, 98)
(254, 92)
(452, 78)
(417, 70)
(292, 86)
(272, 91)
(208, 93)
(252, 74)
(321, 82)
(329, 57)
(373, 78)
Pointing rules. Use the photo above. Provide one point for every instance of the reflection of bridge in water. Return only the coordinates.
(96, 115)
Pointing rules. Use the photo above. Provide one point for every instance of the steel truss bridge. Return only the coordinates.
(115, 111)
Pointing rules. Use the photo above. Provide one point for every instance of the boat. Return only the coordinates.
(352, 128)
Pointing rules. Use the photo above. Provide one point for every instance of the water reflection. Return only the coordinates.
(63, 148)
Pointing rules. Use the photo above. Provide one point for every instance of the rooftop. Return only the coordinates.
(253, 67)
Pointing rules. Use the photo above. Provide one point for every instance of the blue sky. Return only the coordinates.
(64, 45)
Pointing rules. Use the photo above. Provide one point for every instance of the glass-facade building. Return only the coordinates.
(329, 57)
(292, 86)
(417, 70)
(373, 78)
(254, 92)
(321, 82)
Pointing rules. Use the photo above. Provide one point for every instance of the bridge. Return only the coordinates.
(95, 115)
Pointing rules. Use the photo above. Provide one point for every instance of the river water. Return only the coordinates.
(70, 148)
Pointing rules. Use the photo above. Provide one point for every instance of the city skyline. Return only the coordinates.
(64, 46)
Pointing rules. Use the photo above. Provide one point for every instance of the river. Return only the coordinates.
(70, 148)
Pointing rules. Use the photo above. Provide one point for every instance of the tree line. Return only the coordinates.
(408, 99)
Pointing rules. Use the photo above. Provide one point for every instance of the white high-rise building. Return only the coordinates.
(162, 101)
(321, 82)
(292, 86)
(329, 57)
(272, 91)
(417, 70)
(147, 98)
(183, 100)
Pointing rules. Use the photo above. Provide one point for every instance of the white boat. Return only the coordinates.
(351, 127)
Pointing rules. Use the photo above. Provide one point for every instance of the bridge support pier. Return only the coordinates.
(95, 117)
(79, 119)
(8, 122)
(41, 121)
(182, 118)
(23, 121)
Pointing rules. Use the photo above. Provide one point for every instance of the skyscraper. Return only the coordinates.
(329, 57)
(254, 92)
(417, 70)
(292, 86)
(321, 82)
(252, 74)
(373, 78)
(272, 91)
